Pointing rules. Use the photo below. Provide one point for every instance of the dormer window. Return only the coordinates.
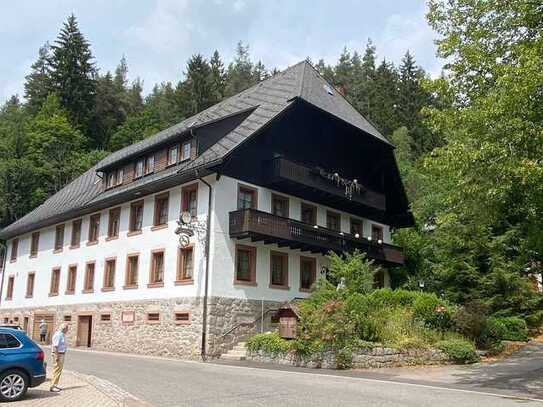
(138, 171)
(185, 150)
(120, 176)
(111, 179)
(149, 164)
(172, 155)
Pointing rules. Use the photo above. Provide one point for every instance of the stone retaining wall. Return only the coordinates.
(363, 359)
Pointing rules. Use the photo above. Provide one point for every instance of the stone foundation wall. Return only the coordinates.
(230, 320)
(363, 359)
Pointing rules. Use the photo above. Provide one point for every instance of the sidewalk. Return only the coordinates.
(79, 391)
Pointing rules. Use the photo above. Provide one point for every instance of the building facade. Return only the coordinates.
(186, 242)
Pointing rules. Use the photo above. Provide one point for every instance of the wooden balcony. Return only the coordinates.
(264, 227)
(308, 180)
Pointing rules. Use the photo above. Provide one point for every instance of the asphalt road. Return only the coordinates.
(163, 382)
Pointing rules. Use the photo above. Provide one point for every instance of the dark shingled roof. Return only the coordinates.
(266, 100)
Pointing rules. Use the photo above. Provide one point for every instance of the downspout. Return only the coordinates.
(3, 268)
(206, 271)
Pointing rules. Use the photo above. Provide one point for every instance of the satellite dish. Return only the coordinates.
(186, 217)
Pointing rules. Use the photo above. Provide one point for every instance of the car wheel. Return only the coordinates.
(13, 385)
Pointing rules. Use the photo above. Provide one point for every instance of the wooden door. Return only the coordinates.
(49, 320)
(84, 330)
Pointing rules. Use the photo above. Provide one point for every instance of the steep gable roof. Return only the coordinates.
(265, 101)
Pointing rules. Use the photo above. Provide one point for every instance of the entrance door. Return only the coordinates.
(50, 321)
(84, 330)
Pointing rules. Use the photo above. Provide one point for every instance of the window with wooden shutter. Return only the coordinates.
(308, 272)
(9, 291)
(34, 244)
(150, 164)
(55, 282)
(136, 216)
(247, 197)
(14, 249)
(333, 221)
(356, 227)
(156, 277)
(30, 285)
(245, 265)
(376, 233)
(76, 234)
(280, 205)
(139, 168)
(132, 266)
(189, 199)
(161, 210)
(114, 221)
(94, 228)
(72, 278)
(59, 237)
(185, 265)
(88, 286)
(278, 270)
(172, 155)
(309, 214)
(109, 274)
(185, 150)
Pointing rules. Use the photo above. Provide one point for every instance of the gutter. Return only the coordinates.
(3, 268)
(206, 271)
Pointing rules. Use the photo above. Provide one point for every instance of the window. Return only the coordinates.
(120, 176)
(88, 287)
(308, 272)
(157, 269)
(245, 265)
(279, 205)
(110, 180)
(247, 197)
(113, 226)
(149, 164)
(376, 233)
(278, 270)
(72, 277)
(76, 233)
(59, 237)
(333, 221)
(30, 285)
(138, 169)
(172, 155)
(34, 243)
(109, 275)
(181, 317)
(309, 214)
(14, 247)
(67, 318)
(105, 317)
(94, 228)
(185, 150)
(55, 281)
(136, 216)
(132, 266)
(189, 196)
(153, 317)
(8, 341)
(161, 210)
(185, 265)
(356, 227)
(11, 283)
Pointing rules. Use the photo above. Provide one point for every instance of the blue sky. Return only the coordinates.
(157, 37)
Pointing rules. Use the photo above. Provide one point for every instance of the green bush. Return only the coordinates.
(459, 350)
(514, 328)
(534, 320)
(471, 322)
(269, 342)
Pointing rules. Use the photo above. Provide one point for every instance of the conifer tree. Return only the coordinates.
(218, 77)
(240, 71)
(38, 83)
(73, 75)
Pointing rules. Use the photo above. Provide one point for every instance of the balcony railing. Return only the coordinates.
(282, 170)
(285, 232)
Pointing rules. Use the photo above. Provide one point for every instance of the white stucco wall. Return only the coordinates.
(222, 254)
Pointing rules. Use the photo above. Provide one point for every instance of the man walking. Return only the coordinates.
(58, 352)
(43, 330)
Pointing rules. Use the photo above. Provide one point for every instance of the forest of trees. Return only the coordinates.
(469, 144)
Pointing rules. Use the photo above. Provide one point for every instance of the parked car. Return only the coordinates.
(13, 326)
(22, 364)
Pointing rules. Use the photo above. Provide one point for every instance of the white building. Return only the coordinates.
(273, 179)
